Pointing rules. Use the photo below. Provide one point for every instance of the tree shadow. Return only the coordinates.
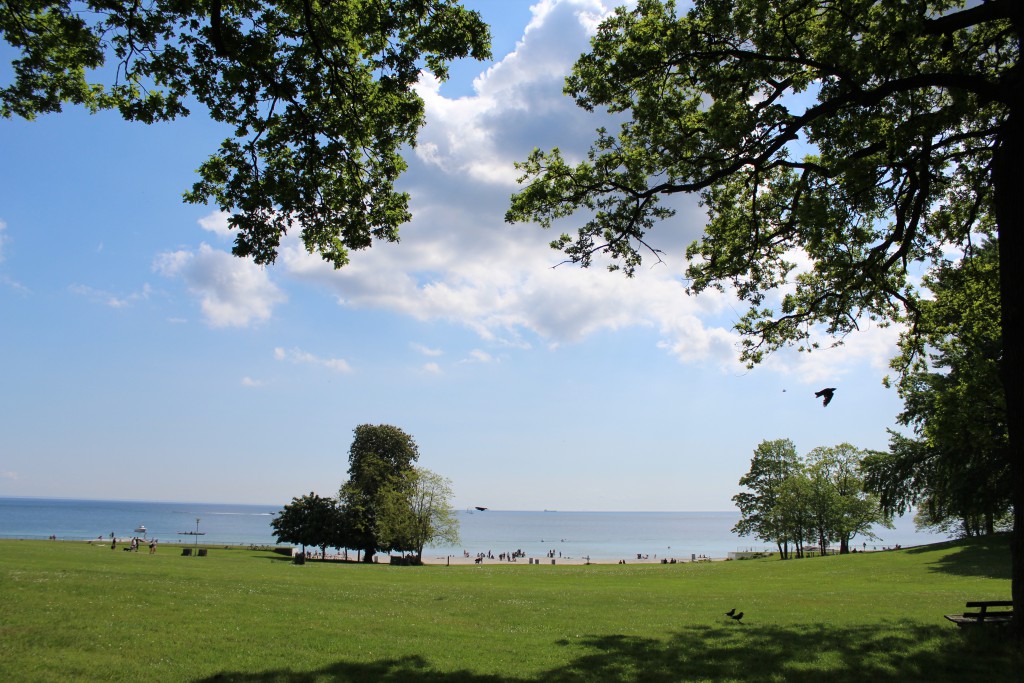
(411, 669)
(738, 652)
(985, 556)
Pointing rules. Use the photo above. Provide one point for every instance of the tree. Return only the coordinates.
(866, 135)
(309, 520)
(418, 513)
(795, 509)
(318, 96)
(843, 508)
(380, 460)
(760, 515)
(956, 466)
(820, 498)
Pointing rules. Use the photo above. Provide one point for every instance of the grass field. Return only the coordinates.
(73, 611)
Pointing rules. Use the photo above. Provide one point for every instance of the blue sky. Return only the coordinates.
(140, 360)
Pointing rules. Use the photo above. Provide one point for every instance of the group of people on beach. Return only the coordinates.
(133, 546)
(509, 556)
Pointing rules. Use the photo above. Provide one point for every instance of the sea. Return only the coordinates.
(569, 534)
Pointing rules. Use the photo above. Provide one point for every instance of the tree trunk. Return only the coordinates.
(1008, 189)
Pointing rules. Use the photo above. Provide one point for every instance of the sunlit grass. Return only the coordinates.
(73, 611)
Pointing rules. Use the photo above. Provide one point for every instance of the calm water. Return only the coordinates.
(89, 519)
(599, 535)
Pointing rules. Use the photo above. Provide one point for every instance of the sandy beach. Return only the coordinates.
(461, 560)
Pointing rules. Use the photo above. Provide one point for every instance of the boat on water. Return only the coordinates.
(191, 533)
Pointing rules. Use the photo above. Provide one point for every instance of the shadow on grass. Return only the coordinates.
(987, 556)
(720, 653)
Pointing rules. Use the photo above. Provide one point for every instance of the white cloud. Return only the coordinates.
(5, 279)
(478, 356)
(432, 368)
(8, 475)
(304, 357)
(426, 351)
(460, 262)
(233, 292)
(518, 97)
(112, 300)
(871, 346)
(250, 382)
(217, 223)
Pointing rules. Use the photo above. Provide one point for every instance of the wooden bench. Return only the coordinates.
(983, 616)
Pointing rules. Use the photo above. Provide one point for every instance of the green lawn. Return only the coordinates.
(73, 611)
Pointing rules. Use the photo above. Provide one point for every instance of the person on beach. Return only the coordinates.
(113, 543)
(152, 547)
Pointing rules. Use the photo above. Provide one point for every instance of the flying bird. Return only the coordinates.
(825, 395)
(731, 612)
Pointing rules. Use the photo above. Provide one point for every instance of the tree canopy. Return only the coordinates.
(860, 136)
(792, 501)
(840, 506)
(310, 520)
(417, 513)
(774, 463)
(317, 97)
(956, 467)
(381, 460)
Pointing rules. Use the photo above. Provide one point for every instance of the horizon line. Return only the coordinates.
(207, 502)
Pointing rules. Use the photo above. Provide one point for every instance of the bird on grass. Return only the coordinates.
(737, 616)
(826, 395)
(731, 612)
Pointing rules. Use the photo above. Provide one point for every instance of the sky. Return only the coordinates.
(140, 360)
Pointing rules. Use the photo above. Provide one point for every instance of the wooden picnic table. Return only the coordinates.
(983, 615)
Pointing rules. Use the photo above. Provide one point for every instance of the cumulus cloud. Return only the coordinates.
(217, 223)
(459, 262)
(518, 102)
(232, 292)
(251, 383)
(304, 357)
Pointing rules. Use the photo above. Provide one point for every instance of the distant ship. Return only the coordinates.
(480, 508)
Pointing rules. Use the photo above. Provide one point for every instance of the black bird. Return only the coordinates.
(825, 395)
(738, 616)
(731, 612)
